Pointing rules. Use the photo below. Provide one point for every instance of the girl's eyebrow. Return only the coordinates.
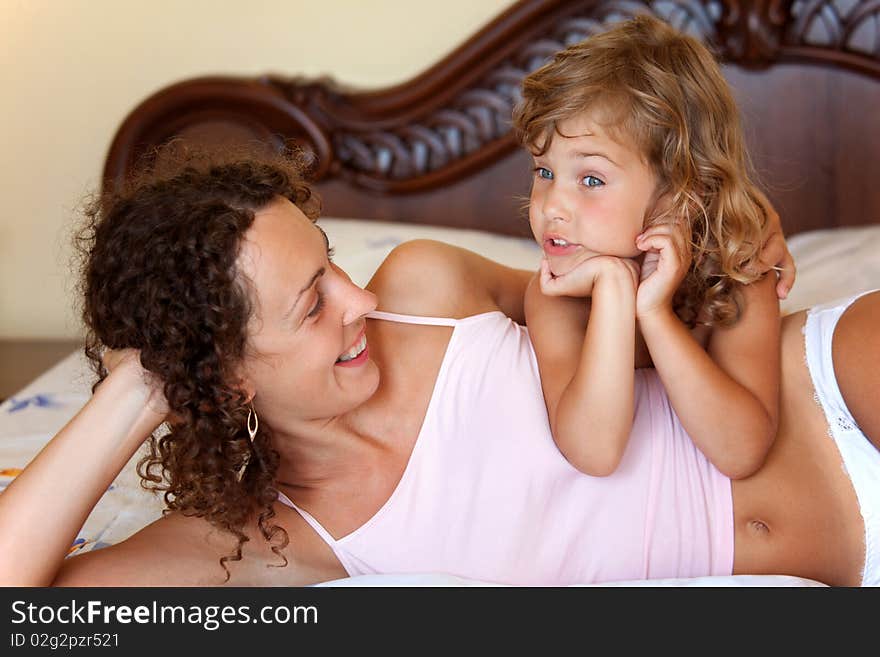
(308, 286)
(583, 155)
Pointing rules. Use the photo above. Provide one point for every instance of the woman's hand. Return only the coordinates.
(69, 475)
(125, 364)
(581, 280)
(667, 259)
(775, 254)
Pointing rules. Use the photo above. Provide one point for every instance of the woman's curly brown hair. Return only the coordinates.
(159, 275)
(664, 91)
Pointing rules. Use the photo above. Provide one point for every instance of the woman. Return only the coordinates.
(311, 437)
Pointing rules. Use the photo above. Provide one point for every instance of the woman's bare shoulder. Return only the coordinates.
(431, 278)
(177, 550)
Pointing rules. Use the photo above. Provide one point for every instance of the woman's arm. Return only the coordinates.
(46, 505)
(727, 396)
(178, 550)
(42, 510)
(774, 254)
(586, 351)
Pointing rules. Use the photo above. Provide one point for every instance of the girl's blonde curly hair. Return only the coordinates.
(664, 91)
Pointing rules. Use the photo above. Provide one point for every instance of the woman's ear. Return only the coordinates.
(245, 384)
(247, 388)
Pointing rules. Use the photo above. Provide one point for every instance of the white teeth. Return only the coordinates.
(558, 242)
(355, 351)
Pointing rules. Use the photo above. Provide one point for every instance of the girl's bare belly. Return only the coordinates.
(799, 514)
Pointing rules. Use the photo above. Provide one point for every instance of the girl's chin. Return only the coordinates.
(561, 265)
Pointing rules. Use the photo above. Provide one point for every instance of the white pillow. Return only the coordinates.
(445, 580)
(833, 263)
(361, 246)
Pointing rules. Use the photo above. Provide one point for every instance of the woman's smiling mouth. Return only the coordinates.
(356, 354)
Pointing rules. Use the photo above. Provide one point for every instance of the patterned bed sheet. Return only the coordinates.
(831, 263)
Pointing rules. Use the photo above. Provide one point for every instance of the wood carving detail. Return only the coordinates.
(847, 25)
(751, 32)
(479, 115)
(442, 126)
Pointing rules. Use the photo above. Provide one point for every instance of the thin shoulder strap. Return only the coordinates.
(314, 524)
(412, 319)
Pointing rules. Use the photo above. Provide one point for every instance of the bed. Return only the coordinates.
(434, 157)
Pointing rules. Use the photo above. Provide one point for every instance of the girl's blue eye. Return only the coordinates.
(319, 304)
(593, 181)
(541, 172)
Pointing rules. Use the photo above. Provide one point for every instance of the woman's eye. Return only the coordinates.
(319, 304)
(541, 172)
(330, 249)
(593, 181)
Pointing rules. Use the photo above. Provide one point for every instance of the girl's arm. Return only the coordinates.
(727, 395)
(43, 508)
(586, 367)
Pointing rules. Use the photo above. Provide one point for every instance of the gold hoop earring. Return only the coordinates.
(252, 426)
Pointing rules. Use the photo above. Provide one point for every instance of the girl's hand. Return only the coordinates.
(125, 364)
(580, 281)
(667, 259)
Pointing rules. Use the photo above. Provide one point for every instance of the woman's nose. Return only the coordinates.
(359, 302)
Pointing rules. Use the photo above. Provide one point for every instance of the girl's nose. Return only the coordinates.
(554, 208)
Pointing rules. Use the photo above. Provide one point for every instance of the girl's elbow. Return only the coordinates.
(593, 452)
(599, 468)
(764, 443)
(742, 470)
(753, 459)
(596, 462)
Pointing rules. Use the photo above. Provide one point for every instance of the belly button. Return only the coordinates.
(759, 527)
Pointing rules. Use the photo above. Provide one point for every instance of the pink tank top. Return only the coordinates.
(487, 495)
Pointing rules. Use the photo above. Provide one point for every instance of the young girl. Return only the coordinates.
(643, 205)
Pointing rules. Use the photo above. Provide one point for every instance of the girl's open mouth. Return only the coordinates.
(557, 246)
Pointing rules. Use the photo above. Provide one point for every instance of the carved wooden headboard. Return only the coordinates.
(438, 149)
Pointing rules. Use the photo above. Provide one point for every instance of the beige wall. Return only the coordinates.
(70, 70)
